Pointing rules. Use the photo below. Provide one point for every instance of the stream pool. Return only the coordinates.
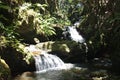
(72, 72)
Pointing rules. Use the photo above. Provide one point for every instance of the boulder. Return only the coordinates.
(4, 70)
(68, 51)
(16, 61)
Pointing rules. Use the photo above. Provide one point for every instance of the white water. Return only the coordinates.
(51, 67)
(75, 35)
(45, 62)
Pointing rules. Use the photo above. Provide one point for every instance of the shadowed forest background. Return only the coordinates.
(25, 22)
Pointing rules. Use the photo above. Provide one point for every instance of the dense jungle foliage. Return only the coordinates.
(99, 24)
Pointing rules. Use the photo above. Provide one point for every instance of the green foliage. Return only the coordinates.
(8, 35)
(7, 32)
(4, 7)
(46, 26)
(101, 26)
(3, 42)
(29, 15)
(70, 9)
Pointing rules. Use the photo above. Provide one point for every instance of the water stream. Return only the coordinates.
(71, 33)
(45, 62)
(51, 67)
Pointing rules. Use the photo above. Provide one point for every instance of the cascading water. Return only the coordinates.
(45, 62)
(51, 67)
(74, 35)
(71, 33)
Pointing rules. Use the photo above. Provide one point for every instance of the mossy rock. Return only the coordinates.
(68, 51)
(17, 61)
(4, 70)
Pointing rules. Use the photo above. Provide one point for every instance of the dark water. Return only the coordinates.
(71, 73)
(51, 67)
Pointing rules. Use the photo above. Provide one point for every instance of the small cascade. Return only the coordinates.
(75, 35)
(45, 62)
(70, 32)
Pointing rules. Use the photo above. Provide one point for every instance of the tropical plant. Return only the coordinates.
(29, 17)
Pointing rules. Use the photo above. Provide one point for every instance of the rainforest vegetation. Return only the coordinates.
(24, 21)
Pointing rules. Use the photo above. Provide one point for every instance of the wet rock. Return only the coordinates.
(68, 51)
(4, 70)
(103, 63)
(16, 62)
(25, 76)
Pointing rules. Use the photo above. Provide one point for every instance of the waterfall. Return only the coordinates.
(45, 62)
(70, 32)
(75, 35)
